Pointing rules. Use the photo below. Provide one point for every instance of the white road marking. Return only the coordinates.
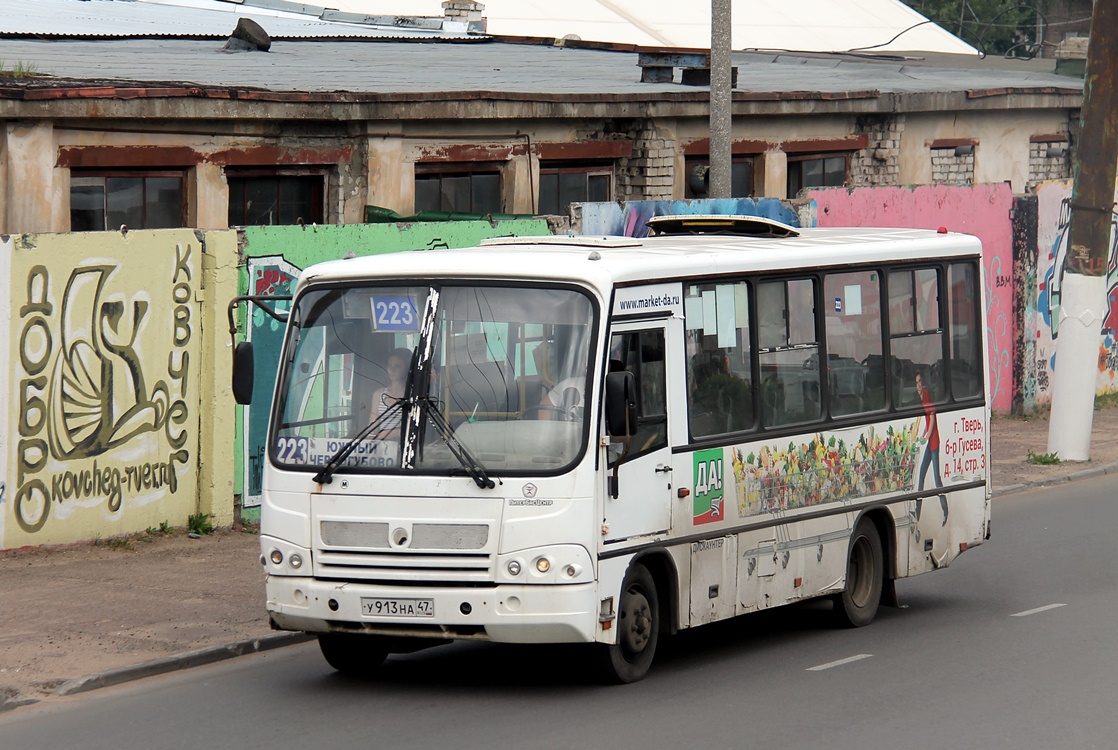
(839, 663)
(1028, 612)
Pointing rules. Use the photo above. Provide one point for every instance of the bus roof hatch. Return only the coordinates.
(743, 226)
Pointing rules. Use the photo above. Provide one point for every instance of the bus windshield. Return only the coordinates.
(474, 378)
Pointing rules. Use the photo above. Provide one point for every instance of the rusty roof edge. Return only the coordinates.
(40, 89)
(1010, 90)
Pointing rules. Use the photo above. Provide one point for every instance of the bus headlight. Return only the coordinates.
(557, 563)
(281, 558)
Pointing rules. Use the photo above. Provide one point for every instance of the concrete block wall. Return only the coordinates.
(949, 169)
(878, 163)
(649, 173)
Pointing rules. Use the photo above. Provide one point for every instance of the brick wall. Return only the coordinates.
(649, 174)
(1048, 161)
(949, 169)
(878, 163)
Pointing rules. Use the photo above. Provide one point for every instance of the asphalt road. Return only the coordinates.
(1011, 647)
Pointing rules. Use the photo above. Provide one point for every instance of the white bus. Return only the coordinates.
(607, 440)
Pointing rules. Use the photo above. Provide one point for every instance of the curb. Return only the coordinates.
(1092, 473)
(184, 660)
(8, 702)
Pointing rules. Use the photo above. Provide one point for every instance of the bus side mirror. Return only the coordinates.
(621, 404)
(243, 374)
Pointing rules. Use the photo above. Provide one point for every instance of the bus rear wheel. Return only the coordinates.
(353, 655)
(857, 605)
(638, 630)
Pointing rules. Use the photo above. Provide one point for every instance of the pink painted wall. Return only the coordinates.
(981, 210)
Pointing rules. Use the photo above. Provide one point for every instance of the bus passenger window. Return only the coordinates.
(855, 366)
(915, 335)
(789, 355)
(966, 335)
(719, 359)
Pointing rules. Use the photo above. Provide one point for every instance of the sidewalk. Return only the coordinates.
(81, 617)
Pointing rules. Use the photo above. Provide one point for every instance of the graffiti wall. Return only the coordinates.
(1053, 219)
(274, 260)
(628, 219)
(981, 210)
(103, 340)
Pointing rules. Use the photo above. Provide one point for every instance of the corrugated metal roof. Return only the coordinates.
(184, 18)
(801, 25)
(389, 67)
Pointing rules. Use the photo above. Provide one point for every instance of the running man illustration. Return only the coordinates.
(930, 434)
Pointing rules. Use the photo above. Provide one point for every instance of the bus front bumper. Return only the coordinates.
(565, 613)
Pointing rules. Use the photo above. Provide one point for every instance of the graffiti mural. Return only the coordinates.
(102, 348)
(269, 276)
(629, 219)
(1054, 219)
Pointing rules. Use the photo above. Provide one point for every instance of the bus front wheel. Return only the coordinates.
(638, 629)
(857, 605)
(351, 654)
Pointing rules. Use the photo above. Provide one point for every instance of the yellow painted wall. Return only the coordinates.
(107, 379)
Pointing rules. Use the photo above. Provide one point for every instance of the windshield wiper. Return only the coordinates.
(326, 473)
(472, 466)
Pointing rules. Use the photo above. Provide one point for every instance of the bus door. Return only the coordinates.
(643, 504)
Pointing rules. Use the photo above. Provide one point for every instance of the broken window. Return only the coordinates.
(562, 184)
(815, 171)
(268, 197)
(697, 181)
(469, 190)
(137, 200)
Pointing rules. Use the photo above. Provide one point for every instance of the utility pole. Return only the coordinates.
(1083, 291)
(721, 65)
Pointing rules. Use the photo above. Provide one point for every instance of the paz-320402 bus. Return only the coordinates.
(607, 440)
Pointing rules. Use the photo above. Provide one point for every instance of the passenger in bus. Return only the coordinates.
(385, 398)
(565, 397)
(561, 399)
(930, 434)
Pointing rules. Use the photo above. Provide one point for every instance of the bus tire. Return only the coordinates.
(857, 605)
(351, 654)
(638, 630)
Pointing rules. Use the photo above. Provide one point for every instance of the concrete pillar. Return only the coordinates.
(773, 175)
(391, 178)
(520, 181)
(217, 420)
(208, 192)
(29, 189)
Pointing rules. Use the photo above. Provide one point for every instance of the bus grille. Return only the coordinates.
(433, 552)
(403, 566)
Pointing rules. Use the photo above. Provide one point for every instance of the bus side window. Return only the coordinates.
(855, 366)
(789, 355)
(719, 359)
(915, 335)
(966, 334)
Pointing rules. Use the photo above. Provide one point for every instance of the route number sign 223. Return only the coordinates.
(395, 314)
